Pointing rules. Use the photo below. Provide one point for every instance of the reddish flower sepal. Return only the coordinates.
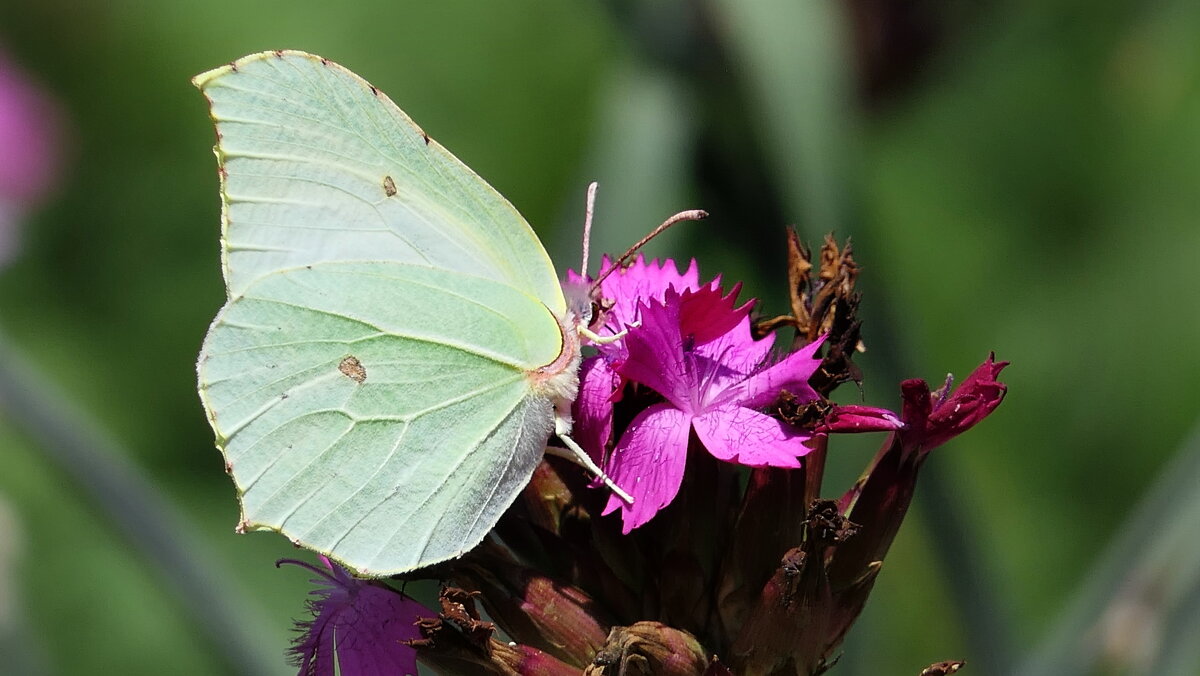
(851, 419)
(358, 627)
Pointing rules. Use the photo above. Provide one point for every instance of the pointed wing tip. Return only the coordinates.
(206, 78)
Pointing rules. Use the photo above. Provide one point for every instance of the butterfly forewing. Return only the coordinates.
(317, 165)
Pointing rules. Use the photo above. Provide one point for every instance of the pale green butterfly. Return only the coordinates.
(396, 348)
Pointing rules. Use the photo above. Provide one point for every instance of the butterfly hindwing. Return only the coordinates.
(380, 413)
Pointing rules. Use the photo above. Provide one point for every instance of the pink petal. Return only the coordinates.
(639, 283)
(736, 434)
(648, 463)
(707, 315)
(648, 280)
(593, 407)
(656, 356)
(738, 355)
(791, 374)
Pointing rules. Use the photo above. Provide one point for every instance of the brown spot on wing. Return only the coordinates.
(389, 186)
(353, 369)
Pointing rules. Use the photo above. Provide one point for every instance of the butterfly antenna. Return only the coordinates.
(690, 215)
(587, 226)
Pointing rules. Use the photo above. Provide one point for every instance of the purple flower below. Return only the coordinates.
(358, 627)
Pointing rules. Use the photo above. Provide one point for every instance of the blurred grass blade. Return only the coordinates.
(639, 157)
(1138, 612)
(794, 55)
(138, 511)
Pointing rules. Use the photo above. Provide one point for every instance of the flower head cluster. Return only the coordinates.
(692, 347)
(747, 572)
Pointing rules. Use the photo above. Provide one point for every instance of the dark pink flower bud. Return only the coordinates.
(933, 418)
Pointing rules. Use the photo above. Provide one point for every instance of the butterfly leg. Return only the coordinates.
(575, 453)
(597, 339)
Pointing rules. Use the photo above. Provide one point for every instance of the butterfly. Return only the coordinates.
(396, 348)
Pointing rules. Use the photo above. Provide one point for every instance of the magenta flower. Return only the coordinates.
(28, 149)
(358, 627)
(695, 349)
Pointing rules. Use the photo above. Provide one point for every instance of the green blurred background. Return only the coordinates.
(1021, 177)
